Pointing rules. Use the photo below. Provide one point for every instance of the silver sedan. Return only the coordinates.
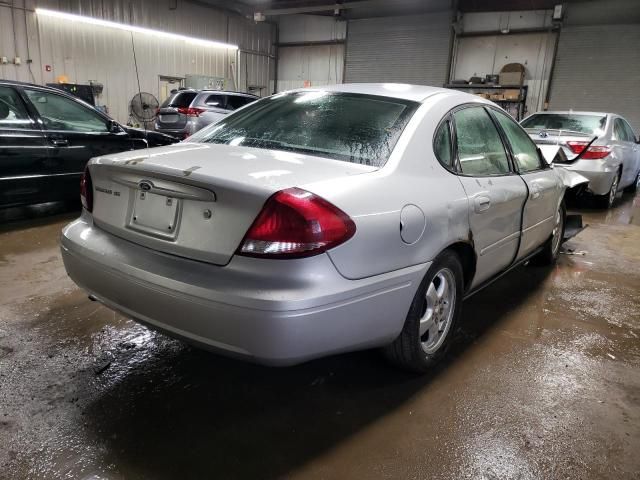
(600, 146)
(319, 221)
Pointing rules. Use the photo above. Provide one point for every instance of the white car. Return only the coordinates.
(319, 221)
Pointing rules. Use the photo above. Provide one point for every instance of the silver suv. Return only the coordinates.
(187, 111)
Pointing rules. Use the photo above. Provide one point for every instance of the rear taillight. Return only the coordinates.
(86, 190)
(594, 152)
(295, 223)
(191, 111)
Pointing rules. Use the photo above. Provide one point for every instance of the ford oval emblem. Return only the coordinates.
(145, 185)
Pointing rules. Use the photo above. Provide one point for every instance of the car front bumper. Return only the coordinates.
(276, 312)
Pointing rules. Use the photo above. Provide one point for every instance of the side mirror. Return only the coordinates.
(114, 127)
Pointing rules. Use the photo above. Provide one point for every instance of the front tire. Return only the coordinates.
(432, 317)
(551, 250)
(633, 188)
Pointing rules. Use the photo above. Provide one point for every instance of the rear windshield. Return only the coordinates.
(179, 99)
(591, 124)
(343, 126)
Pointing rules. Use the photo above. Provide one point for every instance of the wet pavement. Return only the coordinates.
(543, 383)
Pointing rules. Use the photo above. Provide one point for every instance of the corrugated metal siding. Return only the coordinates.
(598, 69)
(413, 49)
(83, 52)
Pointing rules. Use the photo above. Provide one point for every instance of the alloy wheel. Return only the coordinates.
(436, 320)
(614, 190)
(557, 233)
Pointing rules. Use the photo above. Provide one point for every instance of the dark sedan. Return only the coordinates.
(47, 137)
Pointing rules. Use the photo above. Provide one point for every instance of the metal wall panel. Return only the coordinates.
(311, 28)
(317, 64)
(598, 69)
(85, 52)
(412, 49)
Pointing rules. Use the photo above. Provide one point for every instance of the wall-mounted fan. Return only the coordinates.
(143, 107)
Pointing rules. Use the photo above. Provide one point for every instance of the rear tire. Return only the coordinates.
(633, 188)
(607, 200)
(432, 317)
(551, 250)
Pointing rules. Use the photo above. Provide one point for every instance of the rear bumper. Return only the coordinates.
(600, 174)
(276, 312)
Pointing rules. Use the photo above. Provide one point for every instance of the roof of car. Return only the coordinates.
(416, 93)
(225, 91)
(570, 112)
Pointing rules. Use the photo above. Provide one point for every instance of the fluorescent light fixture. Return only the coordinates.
(130, 28)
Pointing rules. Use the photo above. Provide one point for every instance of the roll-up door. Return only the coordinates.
(598, 69)
(412, 49)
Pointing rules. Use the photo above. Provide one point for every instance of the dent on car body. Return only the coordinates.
(570, 178)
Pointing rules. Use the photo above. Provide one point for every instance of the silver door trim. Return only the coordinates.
(500, 242)
(24, 177)
(531, 227)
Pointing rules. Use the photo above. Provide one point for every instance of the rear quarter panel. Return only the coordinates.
(412, 177)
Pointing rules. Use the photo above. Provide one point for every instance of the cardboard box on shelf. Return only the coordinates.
(512, 74)
(511, 94)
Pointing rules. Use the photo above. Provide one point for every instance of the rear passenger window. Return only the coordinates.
(524, 150)
(13, 113)
(215, 100)
(442, 145)
(236, 101)
(631, 135)
(179, 99)
(480, 149)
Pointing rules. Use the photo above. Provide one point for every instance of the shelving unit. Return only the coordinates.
(517, 108)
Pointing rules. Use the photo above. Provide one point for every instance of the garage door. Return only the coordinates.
(411, 49)
(598, 69)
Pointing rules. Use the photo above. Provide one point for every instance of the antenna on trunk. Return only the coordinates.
(135, 62)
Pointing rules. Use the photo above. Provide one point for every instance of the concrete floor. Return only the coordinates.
(543, 383)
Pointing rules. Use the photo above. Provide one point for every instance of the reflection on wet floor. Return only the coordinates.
(543, 382)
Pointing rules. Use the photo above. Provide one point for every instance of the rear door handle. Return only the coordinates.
(60, 142)
(482, 204)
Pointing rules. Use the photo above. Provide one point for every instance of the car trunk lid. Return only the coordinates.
(198, 200)
(561, 138)
(170, 118)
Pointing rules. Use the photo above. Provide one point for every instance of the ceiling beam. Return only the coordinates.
(324, 8)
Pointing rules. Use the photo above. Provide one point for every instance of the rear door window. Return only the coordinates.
(236, 101)
(480, 149)
(525, 152)
(179, 100)
(631, 135)
(620, 131)
(216, 100)
(13, 113)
